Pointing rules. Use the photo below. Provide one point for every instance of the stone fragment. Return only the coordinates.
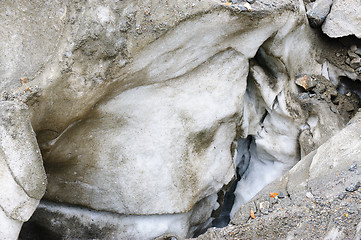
(273, 194)
(353, 48)
(353, 167)
(353, 187)
(263, 207)
(352, 54)
(358, 51)
(358, 70)
(281, 195)
(310, 196)
(317, 12)
(355, 62)
(342, 196)
(252, 214)
(307, 82)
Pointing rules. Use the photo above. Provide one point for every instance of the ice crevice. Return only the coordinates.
(267, 145)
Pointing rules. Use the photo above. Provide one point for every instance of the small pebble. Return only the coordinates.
(281, 195)
(355, 63)
(303, 96)
(353, 166)
(352, 54)
(338, 54)
(242, 8)
(351, 210)
(273, 200)
(353, 187)
(333, 110)
(358, 51)
(358, 70)
(309, 195)
(341, 196)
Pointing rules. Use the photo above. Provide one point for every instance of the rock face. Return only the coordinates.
(145, 112)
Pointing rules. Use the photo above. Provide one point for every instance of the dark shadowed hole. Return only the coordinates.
(33, 231)
(243, 162)
(348, 85)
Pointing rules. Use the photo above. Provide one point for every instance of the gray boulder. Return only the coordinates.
(344, 19)
(317, 12)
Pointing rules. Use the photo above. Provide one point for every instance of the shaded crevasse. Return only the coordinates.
(272, 146)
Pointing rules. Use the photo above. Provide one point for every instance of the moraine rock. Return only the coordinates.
(317, 11)
(344, 19)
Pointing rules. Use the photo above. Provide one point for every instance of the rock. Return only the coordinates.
(353, 167)
(342, 196)
(358, 51)
(343, 20)
(352, 54)
(263, 207)
(310, 196)
(317, 12)
(280, 196)
(355, 63)
(358, 70)
(307, 82)
(353, 187)
(353, 48)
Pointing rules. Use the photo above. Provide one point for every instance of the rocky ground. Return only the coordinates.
(316, 217)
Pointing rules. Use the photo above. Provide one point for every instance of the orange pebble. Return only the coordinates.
(273, 194)
(252, 214)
